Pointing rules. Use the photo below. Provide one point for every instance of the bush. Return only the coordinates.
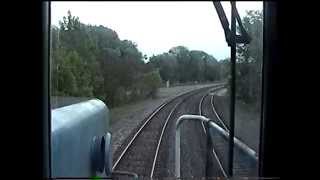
(152, 81)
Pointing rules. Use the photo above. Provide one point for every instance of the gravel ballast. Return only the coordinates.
(127, 118)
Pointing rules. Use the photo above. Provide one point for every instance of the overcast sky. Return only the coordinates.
(158, 26)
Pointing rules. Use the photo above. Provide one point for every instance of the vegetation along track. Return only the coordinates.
(139, 155)
(245, 164)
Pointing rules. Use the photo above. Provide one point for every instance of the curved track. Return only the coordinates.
(215, 165)
(244, 163)
(193, 144)
(140, 154)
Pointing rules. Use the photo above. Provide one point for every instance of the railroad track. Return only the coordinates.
(245, 164)
(215, 164)
(220, 121)
(140, 154)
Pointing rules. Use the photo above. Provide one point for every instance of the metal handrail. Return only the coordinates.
(212, 124)
(177, 143)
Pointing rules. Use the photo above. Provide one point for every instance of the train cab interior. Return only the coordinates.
(86, 122)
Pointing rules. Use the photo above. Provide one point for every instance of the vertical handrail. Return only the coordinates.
(177, 142)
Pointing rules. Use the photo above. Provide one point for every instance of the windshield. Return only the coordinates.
(149, 63)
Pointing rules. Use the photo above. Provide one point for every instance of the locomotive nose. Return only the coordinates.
(80, 142)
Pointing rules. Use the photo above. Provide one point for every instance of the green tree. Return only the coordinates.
(92, 61)
(249, 59)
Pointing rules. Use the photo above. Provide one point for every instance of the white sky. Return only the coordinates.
(158, 26)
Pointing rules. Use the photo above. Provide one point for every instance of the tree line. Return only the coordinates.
(91, 61)
(180, 65)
